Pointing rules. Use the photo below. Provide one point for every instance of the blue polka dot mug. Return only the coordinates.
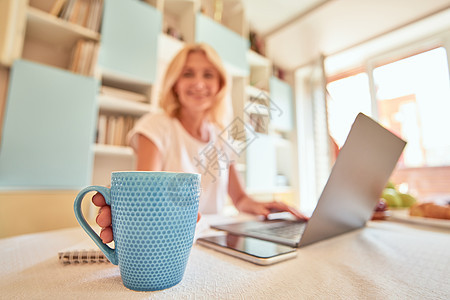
(153, 220)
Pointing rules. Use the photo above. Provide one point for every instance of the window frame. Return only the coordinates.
(403, 173)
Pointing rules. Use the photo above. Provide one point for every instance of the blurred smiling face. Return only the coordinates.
(198, 83)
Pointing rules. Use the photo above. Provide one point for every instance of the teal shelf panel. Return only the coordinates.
(49, 129)
(129, 43)
(231, 47)
(282, 109)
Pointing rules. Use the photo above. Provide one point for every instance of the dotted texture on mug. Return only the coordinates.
(154, 232)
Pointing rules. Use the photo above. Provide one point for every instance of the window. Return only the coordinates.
(411, 97)
(346, 98)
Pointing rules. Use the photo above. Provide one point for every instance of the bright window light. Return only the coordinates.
(413, 97)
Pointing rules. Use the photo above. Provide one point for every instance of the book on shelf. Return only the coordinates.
(119, 131)
(75, 56)
(110, 130)
(261, 100)
(259, 122)
(122, 94)
(73, 16)
(84, 57)
(57, 7)
(113, 129)
(98, 19)
(88, 61)
(93, 64)
(86, 13)
(65, 11)
(101, 129)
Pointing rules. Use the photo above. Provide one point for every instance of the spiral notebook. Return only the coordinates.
(82, 257)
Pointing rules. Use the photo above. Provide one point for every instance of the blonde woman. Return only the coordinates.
(186, 136)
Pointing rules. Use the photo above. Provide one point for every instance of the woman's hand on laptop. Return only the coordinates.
(251, 206)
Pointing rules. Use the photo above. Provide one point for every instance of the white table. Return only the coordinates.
(385, 260)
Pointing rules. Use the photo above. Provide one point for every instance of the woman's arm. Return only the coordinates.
(240, 198)
(246, 204)
(148, 156)
(235, 187)
(148, 159)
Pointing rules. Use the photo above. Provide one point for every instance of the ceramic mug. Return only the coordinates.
(154, 215)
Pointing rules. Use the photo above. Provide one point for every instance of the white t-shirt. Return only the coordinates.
(181, 152)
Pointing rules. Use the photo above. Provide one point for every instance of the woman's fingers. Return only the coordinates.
(280, 206)
(98, 200)
(104, 216)
(106, 235)
(297, 214)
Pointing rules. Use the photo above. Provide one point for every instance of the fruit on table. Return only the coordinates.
(380, 210)
(390, 185)
(381, 205)
(407, 200)
(392, 197)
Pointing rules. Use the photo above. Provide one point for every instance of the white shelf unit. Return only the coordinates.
(123, 106)
(34, 34)
(260, 70)
(31, 33)
(179, 18)
(168, 46)
(108, 158)
(127, 74)
(115, 151)
(63, 33)
(266, 164)
(253, 91)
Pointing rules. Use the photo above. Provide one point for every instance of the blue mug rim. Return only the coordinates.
(151, 172)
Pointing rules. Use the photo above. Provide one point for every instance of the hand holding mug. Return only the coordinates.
(104, 218)
(153, 218)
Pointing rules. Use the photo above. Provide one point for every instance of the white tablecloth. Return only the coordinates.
(385, 260)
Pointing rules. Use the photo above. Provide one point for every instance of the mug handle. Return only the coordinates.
(106, 192)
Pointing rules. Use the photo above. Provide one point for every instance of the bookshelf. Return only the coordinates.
(29, 31)
(50, 39)
(64, 34)
(179, 19)
(128, 68)
(131, 67)
(260, 70)
(265, 105)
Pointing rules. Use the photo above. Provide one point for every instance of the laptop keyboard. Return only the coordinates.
(286, 230)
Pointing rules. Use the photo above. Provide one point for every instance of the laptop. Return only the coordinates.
(353, 189)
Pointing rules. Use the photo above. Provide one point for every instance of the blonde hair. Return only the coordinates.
(169, 100)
